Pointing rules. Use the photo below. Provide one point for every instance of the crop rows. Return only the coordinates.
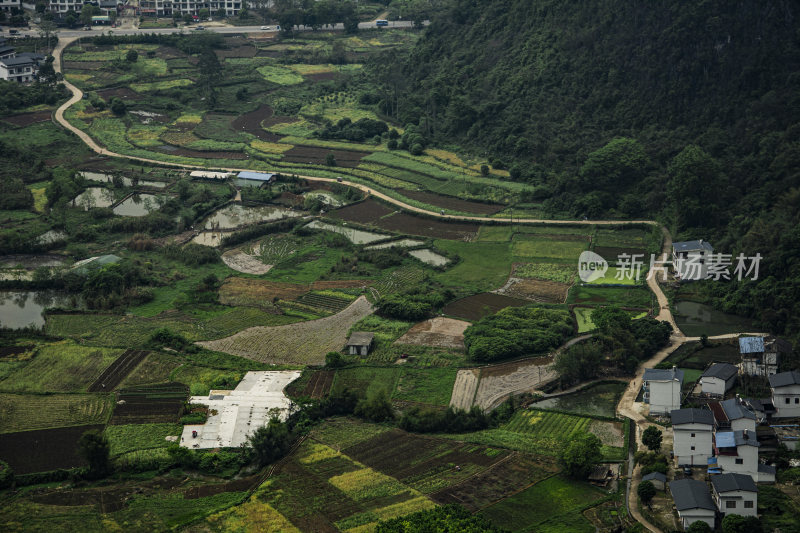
(554, 425)
(25, 412)
(118, 370)
(399, 279)
(324, 302)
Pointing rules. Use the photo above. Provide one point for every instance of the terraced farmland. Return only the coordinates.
(26, 412)
(331, 304)
(118, 370)
(150, 404)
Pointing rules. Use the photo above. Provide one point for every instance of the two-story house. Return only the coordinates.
(19, 69)
(733, 415)
(692, 436)
(693, 502)
(786, 394)
(718, 379)
(735, 494)
(690, 259)
(662, 389)
(737, 452)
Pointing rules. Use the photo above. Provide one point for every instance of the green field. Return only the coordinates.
(425, 385)
(546, 501)
(528, 247)
(617, 276)
(130, 437)
(621, 296)
(495, 233)
(547, 271)
(483, 266)
(59, 367)
(583, 316)
(23, 412)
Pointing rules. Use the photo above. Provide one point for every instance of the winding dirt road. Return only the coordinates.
(626, 407)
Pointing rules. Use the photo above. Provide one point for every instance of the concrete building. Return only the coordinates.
(692, 436)
(6, 5)
(762, 355)
(786, 394)
(20, 69)
(662, 389)
(254, 179)
(658, 480)
(690, 259)
(693, 502)
(718, 379)
(360, 343)
(733, 415)
(737, 452)
(735, 494)
(167, 8)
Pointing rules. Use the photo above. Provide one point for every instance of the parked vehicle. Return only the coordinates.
(381, 22)
(200, 28)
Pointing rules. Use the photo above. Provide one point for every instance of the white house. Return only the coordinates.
(690, 259)
(19, 69)
(786, 394)
(733, 415)
(662, 389)
(693, 502)
(6, 5)
(762, 355)
(737, 452)
(718, 379)
(735, 494)
(692, 436)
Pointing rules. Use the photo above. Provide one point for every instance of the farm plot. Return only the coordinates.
(241, 261)
(317, 156)
(596, 400)
(481, 305)
(545, 271)
(258, 292)
(613, 253)
(450, 202)
(439, 331)
(26, 119)
(43, 450)
(302, 343)
(320, 384)
(131, 437)
(551, 500)
(154, 369)
(364, 212)
(430, 386)
(411, 225)
(150, 404)
(424, 463)
(326, 303)
(501, 480)
(20, 412)
(550, 248)
(583, 317)
(251, 123)
(123, 93)
(366, 379)
(535, 290)
(118, 370)
(498, 382)
(464, 389)
(622, 296)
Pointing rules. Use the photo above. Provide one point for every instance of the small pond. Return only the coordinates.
(429, 256)
(403, 243)
(19, 309)
(106, 178)
(209, 238)
(695, 319)
(94, 197)
(597, 400)
(356, 236)
(137, 205)
(235, 215)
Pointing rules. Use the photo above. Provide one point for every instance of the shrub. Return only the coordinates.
(6, 475)
(646, 492)
(334, 360)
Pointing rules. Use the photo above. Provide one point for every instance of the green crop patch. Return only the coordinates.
(280, 75)
(542, 247)
(425, 385)
(131, 437)
(23, 412)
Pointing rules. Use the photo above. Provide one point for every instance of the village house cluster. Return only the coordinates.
(21, 67)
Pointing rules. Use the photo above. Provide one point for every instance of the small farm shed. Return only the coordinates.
(254, 179)
(658, 480)
(360, 343)
(718, 379)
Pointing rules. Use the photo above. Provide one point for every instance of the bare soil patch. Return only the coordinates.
(464, 388)
(83, 65)
(26, 119)
(535, 290)
(123, 93)
(321, 76)
(258, 292)
(412, 225)
(480, 305)
(186, 152)
(300, 343)
(169, 52)
(610, 433)
(251, 123)
(239, 51)
(451, 202)
(498, 382)
(43, 450)
(363, 212)
(150, 404)
(440, 332)
(341, 284)
(246, 263)
(118, 370)
(317, 156)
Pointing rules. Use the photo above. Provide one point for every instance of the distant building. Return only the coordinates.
(662, 389)
(360, 343)
(658, 480)
(254, 179)
(690, 259)
(208, 175)
(786, 394)
(21, 68)
(692, 436)
(761, 356)
(6, 5)
(718, 379)
(166, 8)
(735, 494)
(693, 502)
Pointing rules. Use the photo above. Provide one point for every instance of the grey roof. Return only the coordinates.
(692, 416)
(657, 374)
(691, 494)
(6, 49)
(784, 379)
(731, 482)
(16, 61)
(731, 439)
(655, 476)
(691, 246)
(767, 469)
(754, 404)
(724, 371)
(777, 344)
(751, 344)
(360, 338)
(256, 176)
(32, 55)
(734, 410)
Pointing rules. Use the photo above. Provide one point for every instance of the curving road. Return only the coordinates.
(627, 405)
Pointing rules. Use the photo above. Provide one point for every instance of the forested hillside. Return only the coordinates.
(684, 111)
